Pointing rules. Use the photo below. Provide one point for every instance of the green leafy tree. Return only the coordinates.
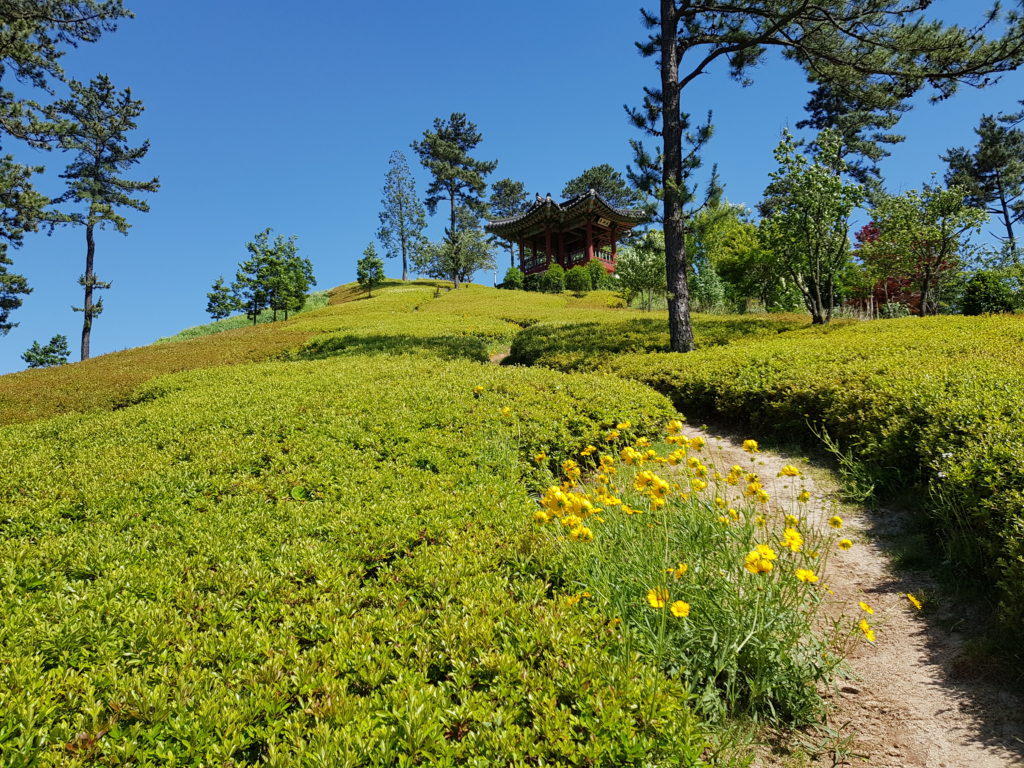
(56, 352)
(922, 238)
(459, 253)
(992, 174)
(577, 279)
(286, 277)
(21, 211)
(806, 226)
(508, 198)
(458, 178)
(370, 270)
(402, 218)
(95, 122)
(220, 301)
(513, 279)
(988, 292)
(851, 45)
(608, 183)
(640, 269)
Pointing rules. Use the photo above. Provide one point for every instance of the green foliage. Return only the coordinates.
(508, 198)
(577, 279)
(807, 207)
(402, 219)
(533, 282)
(513, 279)
(640, 268)
(707, 290)
(608, 183)
(315, 300)
(553, 279)
(988, 292)
(600, 278)
(370, 270)
(922, 239)
(935, 401)
(893, 310)
(55, 352)
(463, 250)
(274, 277)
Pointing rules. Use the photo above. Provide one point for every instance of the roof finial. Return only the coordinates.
(548, 198)
(539, 198)
(591, 191)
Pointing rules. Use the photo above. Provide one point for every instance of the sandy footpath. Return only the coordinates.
(910, 699)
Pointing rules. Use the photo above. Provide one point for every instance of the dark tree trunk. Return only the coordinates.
(676, 265)
(90, 282)
(1007, 217)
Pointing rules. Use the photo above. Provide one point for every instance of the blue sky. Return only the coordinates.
(267, 114)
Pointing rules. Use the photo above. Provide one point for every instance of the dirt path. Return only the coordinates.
(911, 699)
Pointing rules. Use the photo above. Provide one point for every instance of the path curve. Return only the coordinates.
(910, 699)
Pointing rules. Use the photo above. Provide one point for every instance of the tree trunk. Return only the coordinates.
(1007, 218)
(676, 266)
(90, 282)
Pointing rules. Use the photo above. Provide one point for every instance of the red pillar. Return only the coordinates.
(561, 250)
(547, 245)
(522, 256)
(590, 241)
(614, 244)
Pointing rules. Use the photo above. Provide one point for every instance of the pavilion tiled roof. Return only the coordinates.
(547, 212)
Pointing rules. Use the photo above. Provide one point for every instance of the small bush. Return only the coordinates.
(578, 280)
(988, 293)
(553, 279)
(513, 279)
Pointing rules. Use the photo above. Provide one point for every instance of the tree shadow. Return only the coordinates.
(445, 347)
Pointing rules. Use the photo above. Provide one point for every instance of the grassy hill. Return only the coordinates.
(350, 538)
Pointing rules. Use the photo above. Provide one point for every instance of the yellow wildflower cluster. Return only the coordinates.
(760, 559)
(792, 540)
(658, 598)
(573, 510)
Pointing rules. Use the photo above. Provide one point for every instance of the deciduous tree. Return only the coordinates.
(857, 45)
(95, 122)
(402, 219)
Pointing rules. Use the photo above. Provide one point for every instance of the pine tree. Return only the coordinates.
(458, 178)
(56, 352)
(993, 175)
(402, 219)
(508, 198)
(608, 183)
(853, 46)
(96, 120)
(370, 270)
(220, 301)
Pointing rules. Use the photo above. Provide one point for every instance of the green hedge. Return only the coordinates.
(315, 563)
(936, 402)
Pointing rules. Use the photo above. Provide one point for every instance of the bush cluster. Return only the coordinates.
(316, 563)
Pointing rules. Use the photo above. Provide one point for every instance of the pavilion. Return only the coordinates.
(572, 232)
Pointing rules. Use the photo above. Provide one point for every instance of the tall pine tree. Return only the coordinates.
(95, 123)
(458, 178)
(508, 198)
(850, 45)
(402, 219)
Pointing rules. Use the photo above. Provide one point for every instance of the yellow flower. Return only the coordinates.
(789, 471)
(679, 571)
(804, 496)
(478, 390)
(762, 495)
(540, 458)
(750, 446)
(760, 520)
(866, 608)
(759, 559)
(541, 516)
(588, 450)
(631, 456)
(791, 539)
(806, 576)
(680, 609)
(792, 520)
(720, 502)
(845, 544)
(572, 599)
(696, 443)
(581, 533)
(657, 598)
(612, 436)
(869, 633)
(674, 426)
(914, 601)
(836, 522)
(643, 442)
(624, 425)
(699, 485)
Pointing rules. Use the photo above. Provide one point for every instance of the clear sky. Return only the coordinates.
(270, 114)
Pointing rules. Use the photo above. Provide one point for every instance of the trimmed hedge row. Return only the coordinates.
(937, 402)
(315, 563)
